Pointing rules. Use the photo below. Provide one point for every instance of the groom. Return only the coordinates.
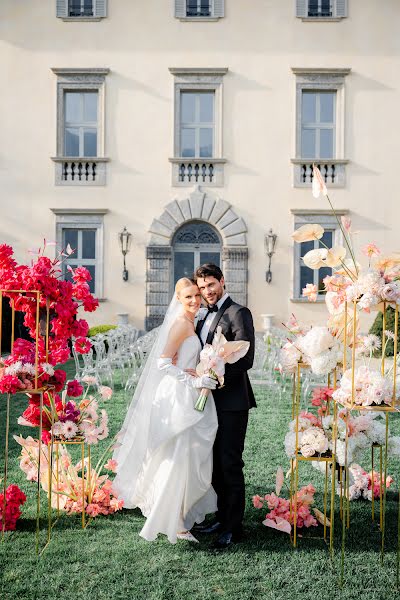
(232, 402)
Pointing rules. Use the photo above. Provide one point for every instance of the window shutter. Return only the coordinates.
(341, 8)
(180, 8)
(62, 8)
(100, 8)
(301, 8)
(219, 8)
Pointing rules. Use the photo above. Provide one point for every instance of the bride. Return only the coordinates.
(165, 455)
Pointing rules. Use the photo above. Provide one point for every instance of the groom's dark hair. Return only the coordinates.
(208, 270)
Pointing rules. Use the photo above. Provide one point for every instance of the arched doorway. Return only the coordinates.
(194, 244)
(196, 229)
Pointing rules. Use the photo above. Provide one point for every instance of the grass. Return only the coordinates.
(110, 561)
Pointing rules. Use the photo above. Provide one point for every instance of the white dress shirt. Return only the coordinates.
(210, 318)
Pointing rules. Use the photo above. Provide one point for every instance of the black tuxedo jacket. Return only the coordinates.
(237, 324)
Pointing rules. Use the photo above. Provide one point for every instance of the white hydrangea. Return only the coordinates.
(317, 341)
(290, 443)
(324, 363)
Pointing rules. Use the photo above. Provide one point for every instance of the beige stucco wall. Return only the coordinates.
(259, 41)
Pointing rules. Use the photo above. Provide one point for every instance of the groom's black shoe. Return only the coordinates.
(226, 540)
(212, 527)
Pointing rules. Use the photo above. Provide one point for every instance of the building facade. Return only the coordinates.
(194, 124)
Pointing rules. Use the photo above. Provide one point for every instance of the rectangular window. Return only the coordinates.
(332, 237)
(81, 123)
(318, 124)
(198, 8)
(308, 275)
(80, 8)
(84, 232)
(83, 242)
(320, 8)
(197, 124)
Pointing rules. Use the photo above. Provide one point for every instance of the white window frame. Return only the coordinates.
(81, 80)
(197, 125)
(317, 125)
(320, 80)
(329, 223)
(85, 219)
(82, 126)
(198, 80)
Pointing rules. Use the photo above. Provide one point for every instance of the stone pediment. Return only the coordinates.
(199, 206)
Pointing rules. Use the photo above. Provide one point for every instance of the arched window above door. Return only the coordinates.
(194, 244)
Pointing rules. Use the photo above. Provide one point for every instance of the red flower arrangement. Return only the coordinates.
(62, 299)
(14, 500)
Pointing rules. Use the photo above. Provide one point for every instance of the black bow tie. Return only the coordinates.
(212, 308)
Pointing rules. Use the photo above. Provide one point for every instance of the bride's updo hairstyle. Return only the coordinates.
(182, 283)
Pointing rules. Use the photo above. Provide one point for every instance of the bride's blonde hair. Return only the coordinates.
(183, 283)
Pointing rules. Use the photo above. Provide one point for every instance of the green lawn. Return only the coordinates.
(109, 561)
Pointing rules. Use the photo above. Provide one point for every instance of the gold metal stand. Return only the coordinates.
(383, 449)
(294, 472)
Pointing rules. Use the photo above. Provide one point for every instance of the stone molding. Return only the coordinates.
(203, 206)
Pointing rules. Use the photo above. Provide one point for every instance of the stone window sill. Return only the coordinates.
(82, 19)
(199, 19)
(322, 19)
(306, 301)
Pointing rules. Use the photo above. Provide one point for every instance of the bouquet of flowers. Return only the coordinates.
(14, 499)
(70, 481)
(213, 358)
(64, 419)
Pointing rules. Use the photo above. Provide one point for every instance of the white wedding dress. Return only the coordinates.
(165, 459)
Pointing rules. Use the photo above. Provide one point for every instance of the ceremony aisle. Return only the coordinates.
(110, 561)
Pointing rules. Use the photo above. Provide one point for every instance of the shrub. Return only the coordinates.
(376, 329)
(100, 329)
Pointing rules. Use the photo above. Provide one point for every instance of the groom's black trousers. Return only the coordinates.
(228, 478)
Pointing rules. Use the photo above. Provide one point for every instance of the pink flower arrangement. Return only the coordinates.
(320, 397)
(66, 419)
(15, 498)
(62, 300)
(280, 513)
(73, 489)
(366, 485)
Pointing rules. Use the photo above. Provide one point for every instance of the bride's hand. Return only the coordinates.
(191, 372)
